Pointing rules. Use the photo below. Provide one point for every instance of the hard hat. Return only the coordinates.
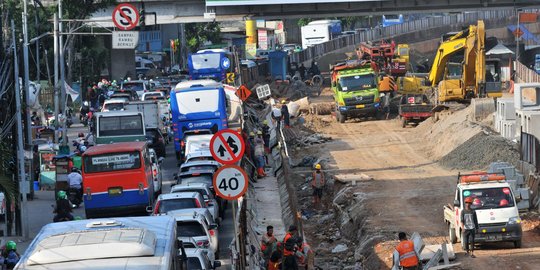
(11, 245)
(252, 134)
(318, 166)
(283, 101)
(468, 200)
(259, 132)
(503, 202)
(265, 122)
(61, 194)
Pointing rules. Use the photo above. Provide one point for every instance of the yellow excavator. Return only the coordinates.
(462, 81)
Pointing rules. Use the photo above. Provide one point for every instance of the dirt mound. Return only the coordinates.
(459, 143)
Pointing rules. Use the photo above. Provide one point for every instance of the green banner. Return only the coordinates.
(276, 2)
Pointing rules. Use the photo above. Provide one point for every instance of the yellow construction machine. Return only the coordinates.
(458, 72)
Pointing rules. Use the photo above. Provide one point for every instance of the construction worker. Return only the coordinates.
(276, 116)
(285, 113)
(268, 243)
(266, 135)
(274, 263)
(317, 183)
(260, 154)
(406, 256)
(469, 224)
(290, 261)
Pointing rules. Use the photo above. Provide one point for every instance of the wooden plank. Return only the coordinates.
(448, 266)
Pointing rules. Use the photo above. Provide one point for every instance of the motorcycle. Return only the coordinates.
(74, 197)
(66, 218)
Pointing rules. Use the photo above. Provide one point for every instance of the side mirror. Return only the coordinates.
(456, 203)
(217, 264)
(213, 226)
(149, 209)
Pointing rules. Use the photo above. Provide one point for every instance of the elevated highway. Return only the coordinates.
(185, 11)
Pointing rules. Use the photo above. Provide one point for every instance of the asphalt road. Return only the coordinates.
(40, 210)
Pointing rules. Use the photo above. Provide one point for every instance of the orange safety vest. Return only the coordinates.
(407, 255)
(273, 265)
(285, 251)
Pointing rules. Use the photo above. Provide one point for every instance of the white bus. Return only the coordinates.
(132, 243)
(317, 32)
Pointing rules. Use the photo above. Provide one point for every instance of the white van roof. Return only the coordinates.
(120, 244)
(189, 84)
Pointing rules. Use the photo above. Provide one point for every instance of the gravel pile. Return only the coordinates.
(479, 151)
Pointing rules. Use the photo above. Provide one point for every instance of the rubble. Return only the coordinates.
(340, 248)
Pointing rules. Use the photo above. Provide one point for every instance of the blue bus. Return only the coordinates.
(211, 64)
(388, 20)
(197, 105)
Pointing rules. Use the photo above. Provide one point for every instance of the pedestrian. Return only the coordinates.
(469, 223)
(386, 105)
(317, 183)
(285, 113)
(302, 71)
(405, 255)
(260, 154)
(266, 135)
(268, 243)
(276, 116)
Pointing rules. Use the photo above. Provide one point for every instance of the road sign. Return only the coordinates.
(518, 33)
(243, 93)
(230, 182)
(231, 77)
(125, 39)
(263, 91)
(125, 16)
(227, 146)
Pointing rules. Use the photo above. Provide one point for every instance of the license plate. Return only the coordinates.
(115, 191)
(494, 237)
(360, 106)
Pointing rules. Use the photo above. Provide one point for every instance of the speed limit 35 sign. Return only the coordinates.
(230, 182)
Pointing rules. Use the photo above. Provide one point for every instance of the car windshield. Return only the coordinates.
(198, 168)
(189, 229)
(201, 191)
(358, 82)
(206, 179)
(135, 86)
(490, 198)
(194, 264)
(176, 204)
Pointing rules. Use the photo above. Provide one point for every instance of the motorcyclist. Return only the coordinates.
(10, 255)
(75, 183)
(63, 208)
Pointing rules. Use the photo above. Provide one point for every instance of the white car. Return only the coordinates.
(199, 165)
(199, 156)
(207, 217)
(194, 226)
(114, 104)
(198, 258)
(176, 201)
(157, 95)
(207, 194)
(157, 174)
(138, 86)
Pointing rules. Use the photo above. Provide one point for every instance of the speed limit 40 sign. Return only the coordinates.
(230, 182)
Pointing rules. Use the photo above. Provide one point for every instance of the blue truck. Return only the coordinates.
(197, 105)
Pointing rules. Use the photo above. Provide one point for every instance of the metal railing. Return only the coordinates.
(525, 74)
(395, 30)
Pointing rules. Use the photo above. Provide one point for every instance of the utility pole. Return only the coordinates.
(56, 90)
(36, 25)
(62, 76)
(28, 120)
(20, 138)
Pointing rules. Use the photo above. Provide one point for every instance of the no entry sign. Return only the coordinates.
(227, 146)
(230, 182)
(125, 16)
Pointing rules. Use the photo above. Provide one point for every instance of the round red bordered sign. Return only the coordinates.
(125, 16)
(230, 182)
(227, 146)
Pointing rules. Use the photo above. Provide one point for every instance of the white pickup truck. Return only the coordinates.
(153, 114)
(495, 206)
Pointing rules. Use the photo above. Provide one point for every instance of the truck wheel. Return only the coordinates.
(403, 122)
(340, 117)
(452, 234)
(517, 244)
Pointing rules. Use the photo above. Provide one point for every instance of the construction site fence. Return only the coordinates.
(530, 150)
(525, 74)
(395, 30)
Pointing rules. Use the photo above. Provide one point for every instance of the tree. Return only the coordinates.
(197, 34)
(304, 21)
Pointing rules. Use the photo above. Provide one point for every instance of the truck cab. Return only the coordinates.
(356, 93)
(495, 207)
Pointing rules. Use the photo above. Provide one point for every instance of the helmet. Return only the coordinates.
(11, 245)
(503, 202)
(318, 166)
(265, 122)
(83, 148)
(80, 135)
(283, 101)
(74, 169)
(468, 200)
(259, 132)
(61, 194)
(252, 134)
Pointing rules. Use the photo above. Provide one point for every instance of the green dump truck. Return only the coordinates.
(356, 93)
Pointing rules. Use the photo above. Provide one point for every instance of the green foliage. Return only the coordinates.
(7, 185)
(304, 21)
(199, 33)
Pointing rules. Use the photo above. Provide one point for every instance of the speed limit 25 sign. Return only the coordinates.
(230, 182)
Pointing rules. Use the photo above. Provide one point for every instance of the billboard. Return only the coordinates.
(275, 2)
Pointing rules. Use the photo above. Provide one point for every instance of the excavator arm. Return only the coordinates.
(446, 49)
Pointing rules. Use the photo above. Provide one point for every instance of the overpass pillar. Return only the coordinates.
(251, 32)
(123, 64)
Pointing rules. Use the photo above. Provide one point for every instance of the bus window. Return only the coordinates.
(112, 162)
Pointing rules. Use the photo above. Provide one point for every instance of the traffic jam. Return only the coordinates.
(119, 175)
